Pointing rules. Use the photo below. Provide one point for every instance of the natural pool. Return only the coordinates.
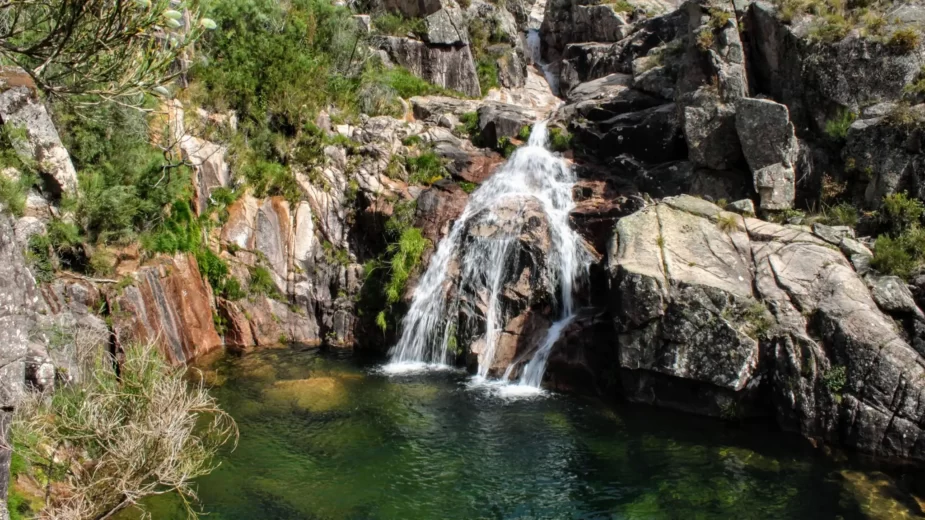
(323, 436)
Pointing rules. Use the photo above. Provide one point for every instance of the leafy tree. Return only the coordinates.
(117, 50)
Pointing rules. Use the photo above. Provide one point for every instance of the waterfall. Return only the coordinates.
(429, 327)
(535, 51)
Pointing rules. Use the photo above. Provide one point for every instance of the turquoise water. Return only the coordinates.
(324, 436)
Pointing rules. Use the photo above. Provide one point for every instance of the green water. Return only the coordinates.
(325, 437)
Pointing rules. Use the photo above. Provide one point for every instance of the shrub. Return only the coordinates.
(727, 222)
(137, 432)
(757, 319)
(468, 187)
(13, 192)
(901, 212)
(837, 128)
(719, 18)
(559, 140)
(427, 168)
(395, 24)
(621, 6)
(829, 28)
(705, 39)
(261, 282)
(904, 116)
(835, 379)
(487, 69)
(899, 256)
(904, 41)
(844, 215)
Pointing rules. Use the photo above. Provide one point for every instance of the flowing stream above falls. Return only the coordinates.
(481, 264)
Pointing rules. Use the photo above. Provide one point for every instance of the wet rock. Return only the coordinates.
(438, 207)
(497, 120)
(21, 108)
(771, 149)
(651, 135)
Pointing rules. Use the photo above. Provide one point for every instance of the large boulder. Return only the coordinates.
(681, 291)
(35, 137)
(709, 306)
(499, 120)
(170, 304)
(771, 149)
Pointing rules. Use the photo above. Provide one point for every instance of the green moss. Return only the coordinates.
(468, 187)
(559, 140)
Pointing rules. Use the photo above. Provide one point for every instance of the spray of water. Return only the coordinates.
(428, 329)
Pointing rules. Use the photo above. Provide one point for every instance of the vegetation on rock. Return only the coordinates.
(132, 430)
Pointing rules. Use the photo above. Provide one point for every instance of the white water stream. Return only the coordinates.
(429, 327)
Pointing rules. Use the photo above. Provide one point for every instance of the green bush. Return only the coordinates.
(487, 69)
(125, 182)
(705, 39)
(427, 168)
(719, 18)
(900, 212)
(899, 256)
(468, 187)
(837, 128)
(397, 25)
(843, 215)
(829, 28)
(559, 140)
(261, 282)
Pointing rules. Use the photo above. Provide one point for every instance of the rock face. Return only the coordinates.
(22, 111)
(19, 304)
(450, 67)
(771, 149)
(711, 306)
(169, 304)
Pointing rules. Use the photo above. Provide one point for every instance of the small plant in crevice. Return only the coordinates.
(757, 319)
(843, 214)
(904, 41)
(705, 39)
(728, 222)
(837, 127)
(560, 140)
(835, 379)
(467, 186)
(719, 18)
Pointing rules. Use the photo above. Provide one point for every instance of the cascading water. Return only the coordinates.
(534, 47)
(428, 329)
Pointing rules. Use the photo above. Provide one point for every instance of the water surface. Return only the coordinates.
(324, 436)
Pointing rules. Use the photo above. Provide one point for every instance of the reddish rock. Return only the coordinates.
(438, 207)
(598, 205)
(170, 304)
